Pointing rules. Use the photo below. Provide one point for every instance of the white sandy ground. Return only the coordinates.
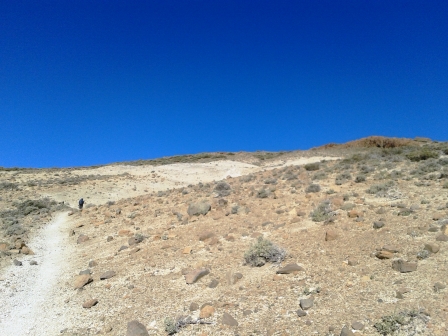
(30, 296)
(146, 179)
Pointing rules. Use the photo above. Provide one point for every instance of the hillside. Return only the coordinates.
(338, 240)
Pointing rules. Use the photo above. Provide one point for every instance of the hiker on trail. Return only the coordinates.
(81, 203)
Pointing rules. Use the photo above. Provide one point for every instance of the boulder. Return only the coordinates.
(198, 208)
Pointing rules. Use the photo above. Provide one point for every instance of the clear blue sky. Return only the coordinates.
(92, 82)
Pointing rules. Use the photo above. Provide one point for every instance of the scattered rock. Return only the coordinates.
(194, 306)
(306, 304)
(290, 268)
(213, 284)
(90, 303)
(331, 235)
(82, 238)
(206, 235)
(346, 331)
(206, 312)
(82, 280)
(384, 254)
(109, 238)
(33, 262)
(135, 328)
(17, 262)
(227, 319)
(442, 237)
(199, 208)
(356, 325)
(378, 225)
(195, 275)
(439, 286)
(432, 247)
(404, 266)
(301, 313)
(93, 263)
(107, 275)
(87, 271)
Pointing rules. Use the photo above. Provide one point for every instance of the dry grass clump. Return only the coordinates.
(264, 251)
(313, 188)
(322, 213)
(403, 323)
(380, 189)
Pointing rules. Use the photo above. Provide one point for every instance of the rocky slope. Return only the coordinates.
(290, 247)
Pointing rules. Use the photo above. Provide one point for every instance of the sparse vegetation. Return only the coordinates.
(406, 322)
(322, 212)
(422, 154)
(264, 251)
(312, 166)
(313, 188)
(380, 189)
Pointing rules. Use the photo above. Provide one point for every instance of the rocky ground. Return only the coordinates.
(258, 244)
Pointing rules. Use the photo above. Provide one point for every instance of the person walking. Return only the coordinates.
(81, 203)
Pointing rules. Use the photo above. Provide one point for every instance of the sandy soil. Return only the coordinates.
(31, 296)
(131, 181)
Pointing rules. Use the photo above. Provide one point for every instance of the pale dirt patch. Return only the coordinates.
(32, 297)
(146, 179)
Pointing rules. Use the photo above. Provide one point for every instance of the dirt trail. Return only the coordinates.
(31, 296)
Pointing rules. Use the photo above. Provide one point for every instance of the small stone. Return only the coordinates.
(82, 238)
(92, 263)
(331, 235)
(378, 225)
(352, 262)
(213, 284)
(306, 304)
(33, 262)
(346, 331)
(432, 247)
(404, 266)
(439, 286)
(206, 312)
(195, 275)
(124, 247)
(194, 306)
(353, 214)
(442, 237)
(187, 250)
(82, 280)
(107, 275)
(384, 254)
(109, 238)
(301, 313)
(356, 325)
(17, 262)
(87, 271)
(290, 268)
(26, 250)
(135, 328)
(90, 303)
(206, 235)
(247, 312)
(227, 319)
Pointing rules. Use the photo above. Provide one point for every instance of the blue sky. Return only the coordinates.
(92, 82)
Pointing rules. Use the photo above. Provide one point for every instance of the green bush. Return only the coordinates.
(312, 166)
(422, 154)
(342, 178)
(313, 188)
(322, 212)
(380, 189)
(264, 251)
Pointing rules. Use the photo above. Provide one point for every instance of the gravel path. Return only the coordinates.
(32, 300)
